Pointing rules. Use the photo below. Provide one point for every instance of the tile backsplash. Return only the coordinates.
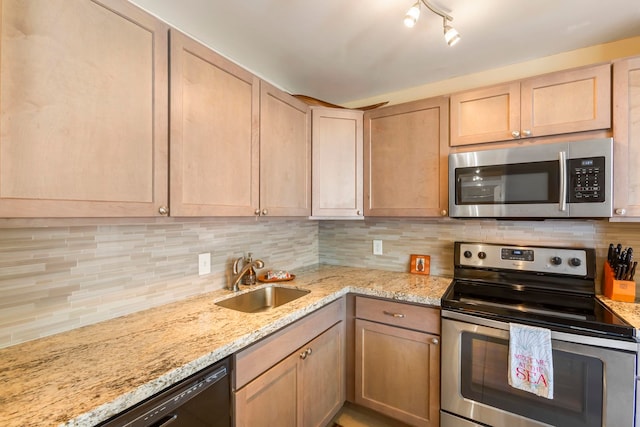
(54, 279)
(57, 278)
(350, 243)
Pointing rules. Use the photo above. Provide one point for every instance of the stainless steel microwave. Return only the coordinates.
(558, 180)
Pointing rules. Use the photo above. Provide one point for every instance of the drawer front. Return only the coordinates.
(420, 318)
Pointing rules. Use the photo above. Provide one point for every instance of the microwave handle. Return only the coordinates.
(562, 159)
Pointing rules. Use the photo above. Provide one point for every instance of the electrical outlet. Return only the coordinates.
(204, 263)
(377, 247)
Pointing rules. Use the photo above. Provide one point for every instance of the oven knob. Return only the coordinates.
(468, 254)
(482, 255)
(575, 262)
(556, 260)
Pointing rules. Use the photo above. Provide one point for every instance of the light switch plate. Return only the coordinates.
(204, 263)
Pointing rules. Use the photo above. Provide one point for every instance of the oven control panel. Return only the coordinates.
(539, 259)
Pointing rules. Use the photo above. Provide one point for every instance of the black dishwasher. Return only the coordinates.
(202, 400)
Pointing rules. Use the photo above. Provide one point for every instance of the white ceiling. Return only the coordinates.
(346, 50)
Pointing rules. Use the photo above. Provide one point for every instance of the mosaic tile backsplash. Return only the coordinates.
(57, 278)
(54, 279)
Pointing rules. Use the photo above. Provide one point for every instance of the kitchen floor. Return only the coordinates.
(355, 416)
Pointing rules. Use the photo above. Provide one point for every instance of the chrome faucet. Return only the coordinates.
(247, 273)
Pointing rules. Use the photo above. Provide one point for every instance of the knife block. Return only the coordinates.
(618, 290)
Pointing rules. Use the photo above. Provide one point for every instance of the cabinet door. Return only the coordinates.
(214, 133)
(626, 133)
(272, 398)
(337, 163)
(567, 101)
(323, 377)
(285, 154)
(398, 372)
(83, 95)
(405, 159)
(485, 115)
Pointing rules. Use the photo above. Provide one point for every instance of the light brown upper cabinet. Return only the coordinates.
(215, 116)
(337, 163)
(285, 154)
(405, 159)
(563, 102)
(83, 95)
(626, 136)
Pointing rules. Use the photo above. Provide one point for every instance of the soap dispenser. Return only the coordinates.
(250, 277)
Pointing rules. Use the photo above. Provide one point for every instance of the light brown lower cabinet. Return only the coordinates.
(397, 370)
(305, 389)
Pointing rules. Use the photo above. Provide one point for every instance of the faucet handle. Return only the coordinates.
(236, 265)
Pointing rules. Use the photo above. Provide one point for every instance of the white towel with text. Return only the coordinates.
(530, 359)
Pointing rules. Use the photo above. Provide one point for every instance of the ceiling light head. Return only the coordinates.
(451, 35)
(412, 15)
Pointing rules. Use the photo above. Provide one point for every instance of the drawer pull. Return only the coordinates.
(396, 315)
(306, 353)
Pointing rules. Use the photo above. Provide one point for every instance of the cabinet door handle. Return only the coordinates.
(396, 315)
(306, 353)
(163, 210)
(526, 133)
(265, 212)
(256, 212)
(515, 134)
(435, 341)
(620, 211)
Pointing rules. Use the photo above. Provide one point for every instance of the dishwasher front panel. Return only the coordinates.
(203, 400)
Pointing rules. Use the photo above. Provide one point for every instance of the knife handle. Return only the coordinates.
(610, 254)
(623, 272)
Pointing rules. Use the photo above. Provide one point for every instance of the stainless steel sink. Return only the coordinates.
(262, 299)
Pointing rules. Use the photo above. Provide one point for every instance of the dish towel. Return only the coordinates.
(530, 359)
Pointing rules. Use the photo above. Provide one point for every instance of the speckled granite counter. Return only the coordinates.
(87, 375)
(629, 311)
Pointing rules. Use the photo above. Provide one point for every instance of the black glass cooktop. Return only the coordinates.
(560, 311)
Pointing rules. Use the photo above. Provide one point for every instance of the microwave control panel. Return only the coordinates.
(586, 179)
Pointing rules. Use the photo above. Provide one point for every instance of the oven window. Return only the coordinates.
(578, 384)
(530, 183)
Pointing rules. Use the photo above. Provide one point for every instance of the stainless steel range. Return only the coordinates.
(594, 351)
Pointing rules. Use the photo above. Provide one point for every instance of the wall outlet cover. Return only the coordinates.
(377, 247)
(204, 263)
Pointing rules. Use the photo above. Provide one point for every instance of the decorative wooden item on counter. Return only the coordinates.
(618, 290)
(420, 264)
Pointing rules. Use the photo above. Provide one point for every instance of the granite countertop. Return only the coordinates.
(87, 375)
(629, 311)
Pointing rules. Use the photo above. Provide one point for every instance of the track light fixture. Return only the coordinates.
(451, 35)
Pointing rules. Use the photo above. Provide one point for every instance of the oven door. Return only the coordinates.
(594, 379)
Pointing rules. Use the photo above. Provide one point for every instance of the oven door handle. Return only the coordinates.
(562, 160)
